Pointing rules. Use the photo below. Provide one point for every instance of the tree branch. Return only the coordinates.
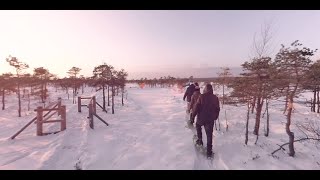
(303, 139)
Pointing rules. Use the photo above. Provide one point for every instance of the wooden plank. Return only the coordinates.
(53, 109)
(59, 105)
(53, 121)
(64, 118)
(50, 116)
(39, 121)
(99, 105)
(23, 128)
(50, 111)
(79, 104)
(52, 104)
(101, 119)
(94, 104)
(91, 116)
(55, 132)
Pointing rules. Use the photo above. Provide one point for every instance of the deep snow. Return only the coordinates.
(149, 132)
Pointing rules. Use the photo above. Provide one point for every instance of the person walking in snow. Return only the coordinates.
(194, 99)
(189, 93)
(207, 110)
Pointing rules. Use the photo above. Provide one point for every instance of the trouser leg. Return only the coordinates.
(209, 130)
(199, 133)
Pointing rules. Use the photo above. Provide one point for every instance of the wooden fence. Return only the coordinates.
(54, 108)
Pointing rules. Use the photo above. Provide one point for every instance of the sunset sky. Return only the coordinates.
(144, 41)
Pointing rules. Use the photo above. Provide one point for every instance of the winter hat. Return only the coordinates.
(208, 89)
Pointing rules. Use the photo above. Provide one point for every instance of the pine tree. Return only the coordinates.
(292, 65)
(19, 66)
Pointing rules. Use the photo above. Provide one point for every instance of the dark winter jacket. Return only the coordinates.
(189, 92)
(194, 99)
(207, 108)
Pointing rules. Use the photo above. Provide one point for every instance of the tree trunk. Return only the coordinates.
(108, 96)
(82, 88)
(318, 102)
(117, 90)
(267, 131)
(29, 102)
(314, 100)
(258, 116)
(286, 105)
(3, 94)
(42, 93)
(112, 89)
(103, 99)
(253, 104)
(290, 134)
(222, 95)
(247, 124)
(19, 101)
(45, 91)
(122, 97)
(73, 95)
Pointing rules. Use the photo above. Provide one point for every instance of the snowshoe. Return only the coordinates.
(210, 155)
(199, 142)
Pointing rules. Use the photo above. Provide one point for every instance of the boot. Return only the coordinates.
(209, 154)
(191, 119)
(199, 142)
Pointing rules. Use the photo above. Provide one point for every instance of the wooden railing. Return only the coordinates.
(92, 110)
(61, 110)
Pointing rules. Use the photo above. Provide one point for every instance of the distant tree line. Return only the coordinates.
(162, 82)
(36, 85)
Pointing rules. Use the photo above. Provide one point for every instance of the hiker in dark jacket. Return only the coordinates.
(189, 93)
(194, 99)
(207, 111)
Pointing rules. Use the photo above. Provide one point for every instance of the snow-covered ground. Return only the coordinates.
(148, 132)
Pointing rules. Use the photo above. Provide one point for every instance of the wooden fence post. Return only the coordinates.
(79, 104)
(63, 118)
(59, 105)
(91, 116)
(39, 121)
(94, 104)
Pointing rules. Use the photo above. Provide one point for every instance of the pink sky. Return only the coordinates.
(143, 40)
